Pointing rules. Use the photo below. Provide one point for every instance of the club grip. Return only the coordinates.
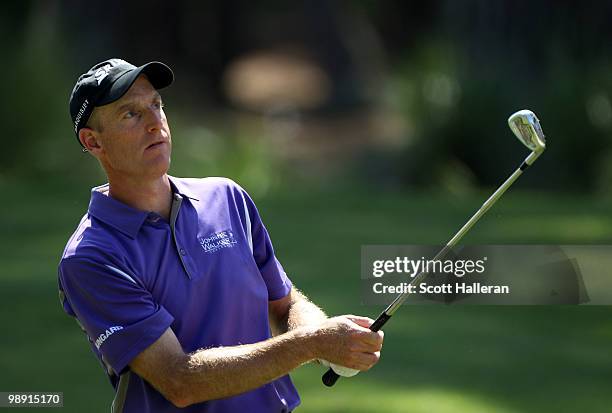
(380, 321)
(331, 377)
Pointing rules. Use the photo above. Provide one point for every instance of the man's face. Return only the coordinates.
(132, 134)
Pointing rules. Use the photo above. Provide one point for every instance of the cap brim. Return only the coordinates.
(158, 74)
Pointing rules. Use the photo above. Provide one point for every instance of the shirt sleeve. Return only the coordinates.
(119, 315)
(272, 272)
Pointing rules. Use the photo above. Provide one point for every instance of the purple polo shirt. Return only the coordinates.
(127, 275)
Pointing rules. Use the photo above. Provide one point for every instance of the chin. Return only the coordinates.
(159, 168)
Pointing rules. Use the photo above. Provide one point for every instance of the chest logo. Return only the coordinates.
(217, 241)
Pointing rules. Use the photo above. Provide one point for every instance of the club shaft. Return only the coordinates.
(399, 300)
(330, 377)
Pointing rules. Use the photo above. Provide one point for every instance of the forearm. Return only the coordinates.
(303, 313)
(214, 373)
(296, 311)
(226, 371)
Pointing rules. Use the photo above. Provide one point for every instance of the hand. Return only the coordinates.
(346, 341)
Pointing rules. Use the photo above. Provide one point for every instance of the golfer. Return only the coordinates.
(174, 280)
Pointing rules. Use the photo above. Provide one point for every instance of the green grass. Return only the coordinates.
(435, 359)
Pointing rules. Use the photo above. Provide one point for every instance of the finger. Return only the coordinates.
(359, 360)
(373, 339)
(367, 342)
(360, 321)
(362, 326)
(365, 361)
(362, 347)
(376, 357)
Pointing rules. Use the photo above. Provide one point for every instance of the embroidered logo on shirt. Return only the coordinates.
(109, 332)
(217, 241)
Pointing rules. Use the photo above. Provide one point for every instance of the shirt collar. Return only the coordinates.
(115, 213)
(122, 217)
(180, 187)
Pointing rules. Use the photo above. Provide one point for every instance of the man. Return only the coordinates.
(174, 280)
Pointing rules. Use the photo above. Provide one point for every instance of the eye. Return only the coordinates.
(129, 114)
(158, 105)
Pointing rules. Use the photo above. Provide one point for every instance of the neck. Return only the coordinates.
(153, 195)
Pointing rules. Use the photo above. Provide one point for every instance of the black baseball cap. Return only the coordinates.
(106, 82)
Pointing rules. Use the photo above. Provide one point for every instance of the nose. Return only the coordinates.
(155, 119)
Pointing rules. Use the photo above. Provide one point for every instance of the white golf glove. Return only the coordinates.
(340, 370)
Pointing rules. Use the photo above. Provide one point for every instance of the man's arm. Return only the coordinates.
(293, 311)
(220, 372)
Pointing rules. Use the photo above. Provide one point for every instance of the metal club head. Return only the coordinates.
(526, 126)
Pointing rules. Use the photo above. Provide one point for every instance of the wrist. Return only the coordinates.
(308, 339)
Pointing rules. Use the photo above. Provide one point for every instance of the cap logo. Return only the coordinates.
(77, 119)
(101, 73)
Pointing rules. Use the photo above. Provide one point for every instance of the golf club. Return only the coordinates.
(526, 127)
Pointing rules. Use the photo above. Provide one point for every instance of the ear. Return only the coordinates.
(89, 139)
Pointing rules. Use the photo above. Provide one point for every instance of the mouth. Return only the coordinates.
(155, 145)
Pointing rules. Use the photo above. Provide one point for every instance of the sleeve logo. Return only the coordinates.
(109, 332)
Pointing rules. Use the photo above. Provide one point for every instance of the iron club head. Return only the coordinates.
(526, 127)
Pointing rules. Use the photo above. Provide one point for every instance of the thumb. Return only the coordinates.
(361, 321)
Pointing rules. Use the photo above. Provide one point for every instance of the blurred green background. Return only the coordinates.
(350, 123)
